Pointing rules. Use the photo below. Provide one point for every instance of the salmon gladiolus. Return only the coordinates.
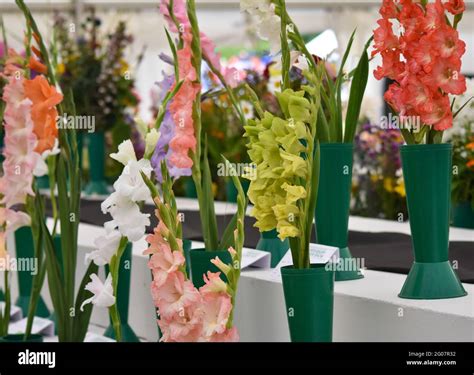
(44, 98)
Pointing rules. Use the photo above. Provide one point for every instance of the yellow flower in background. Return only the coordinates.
(214, 189)
(124, 67)
(470, 146)
(374, 178)
(61, 68)
(388, 184)
(470, 164)
(400, 188)
(274, 83)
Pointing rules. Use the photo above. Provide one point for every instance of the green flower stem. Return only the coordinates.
(114, 270)
(115, 316)
(52, 183)
(285, 48)
(239, 236)
(208, 226)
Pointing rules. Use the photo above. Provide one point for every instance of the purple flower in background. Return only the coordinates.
(2, 49)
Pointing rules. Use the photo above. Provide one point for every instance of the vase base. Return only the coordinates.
(42, 182)
(127, 333)
(275, 247)
(97, 188)
(23, 302)
(432, 281)
(351, 270)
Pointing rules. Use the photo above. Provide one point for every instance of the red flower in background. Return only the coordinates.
(455, 6)
(424, 59)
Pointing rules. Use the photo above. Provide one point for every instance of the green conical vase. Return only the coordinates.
(97, 183)
(189, 188)
(18, 338)
(270, 242)
(231, 191)
(427, 172)
(332, 209)
(309, 299)
(80, 146)
(123, 298)
(201, 264)
(463, 215)
(25, 250)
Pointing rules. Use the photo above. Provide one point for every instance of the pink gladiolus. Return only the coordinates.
(20, 143)
(179, 11)
(183, 327)
(164, 263)
(13, 220)
(230, 335)
(175, 295)
(213, 283)
(216, 308)
(187, 314)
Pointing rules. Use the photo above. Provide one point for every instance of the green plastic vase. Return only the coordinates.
(427, 174)
(189, 188)
(97, 183)
(332, 209)
(42, 182)
(201, 264)
(309, 299)
(123, 298)
(80, 146)
(463, 215)
(18, 338)
(270, 242)
(231, 191)
(25, 250)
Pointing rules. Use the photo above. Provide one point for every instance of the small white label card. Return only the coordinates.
(318, 254)
(255, 258)
(322, 254)
(94, 337)
(41, 326)
(15, 312)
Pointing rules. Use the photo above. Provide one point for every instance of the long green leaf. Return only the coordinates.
(82, 318)
(208, 197)
(322, 127)
(359, 84)
(227, 239)
(339, 81)
(56, 288)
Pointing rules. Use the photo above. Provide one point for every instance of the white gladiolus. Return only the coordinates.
(151, 140)
(126, 216)
(130, 183)
(106, 246)
(125, 154)
(266, 21)
(41, 168)
(103, 292)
